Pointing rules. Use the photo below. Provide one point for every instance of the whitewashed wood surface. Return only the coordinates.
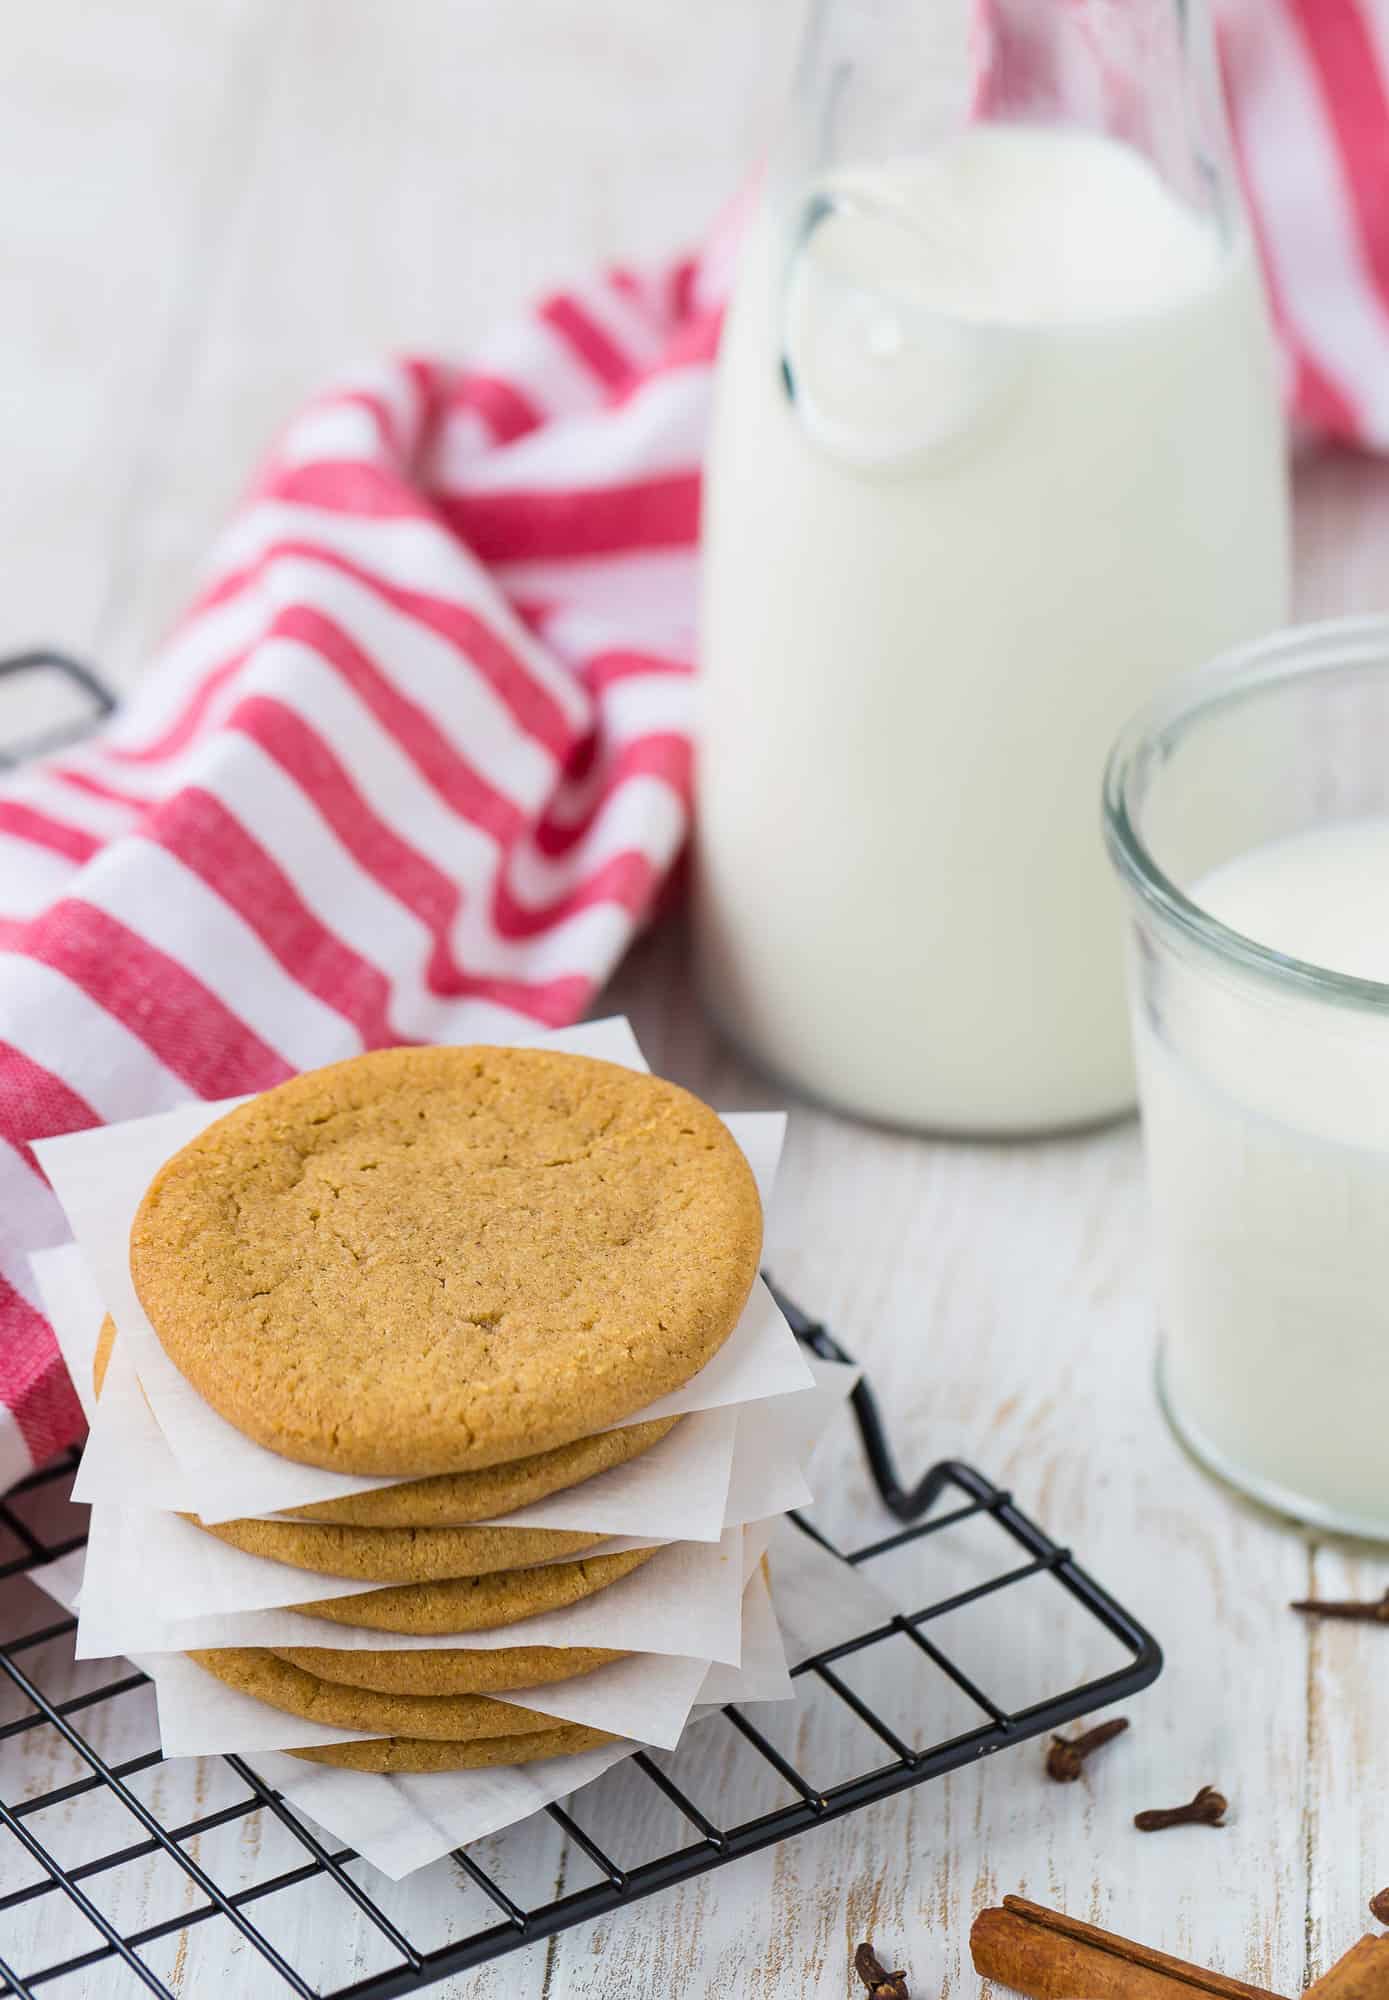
(203, 211)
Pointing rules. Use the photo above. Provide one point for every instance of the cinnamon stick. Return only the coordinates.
(1363, 1974)
(1053, 1957)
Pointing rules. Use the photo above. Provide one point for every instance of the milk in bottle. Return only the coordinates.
(997, 449)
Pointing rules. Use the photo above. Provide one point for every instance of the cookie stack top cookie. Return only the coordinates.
(437, 1260)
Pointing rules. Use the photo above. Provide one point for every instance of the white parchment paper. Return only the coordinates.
(702, 1609)
(176, 1568)
(399, 1830)
(684, 1600)
(148, 1571)
(400, 1824)
(647, 1697)
(100, 1176)
(678, 1488)
(133, 1600)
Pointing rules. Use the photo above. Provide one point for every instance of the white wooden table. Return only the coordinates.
(205, 210)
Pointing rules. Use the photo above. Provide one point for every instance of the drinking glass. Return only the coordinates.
(1264, 1078)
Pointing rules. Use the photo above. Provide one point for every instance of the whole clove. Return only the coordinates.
(1068, 1753)
(1379, 1907)
(881, 1984)
(1208, 1808)
(1356, 1610)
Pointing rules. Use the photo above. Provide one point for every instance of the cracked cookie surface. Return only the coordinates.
(432, 1260)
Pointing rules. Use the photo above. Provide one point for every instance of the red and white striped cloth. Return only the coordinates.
(416, 763)
(1308, 91)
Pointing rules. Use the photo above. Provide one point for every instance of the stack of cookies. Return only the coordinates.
(460, 1273)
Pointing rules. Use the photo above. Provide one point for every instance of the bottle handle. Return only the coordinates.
(875, 371)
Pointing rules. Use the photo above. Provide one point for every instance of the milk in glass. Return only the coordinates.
(1266, 1114)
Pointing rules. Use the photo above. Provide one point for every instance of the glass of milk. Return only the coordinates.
(1247, 814)
(997, 450)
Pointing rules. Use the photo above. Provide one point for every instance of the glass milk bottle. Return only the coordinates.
(997, 449)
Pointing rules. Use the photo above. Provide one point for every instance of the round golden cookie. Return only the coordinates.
(453, 1499)
(477, 1603)
(408, 1754)
(430, 1260)
(396, 1555)
(456, 1718)
(447, 1669)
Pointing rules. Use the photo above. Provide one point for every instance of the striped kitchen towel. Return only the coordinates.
(416, 763)
(1308, 91)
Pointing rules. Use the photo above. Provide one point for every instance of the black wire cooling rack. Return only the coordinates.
(877, 1752)
(128, 1875)
(68, 698)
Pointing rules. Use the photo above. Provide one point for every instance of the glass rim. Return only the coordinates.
(1299, 652)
